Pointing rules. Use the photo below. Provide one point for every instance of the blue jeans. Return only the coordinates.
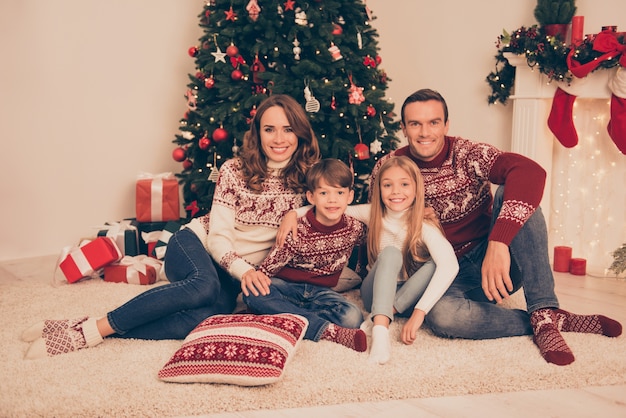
(319, 304)
(381, 292)
(465, 312)
(198, 288)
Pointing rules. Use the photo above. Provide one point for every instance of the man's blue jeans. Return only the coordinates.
(465, 312)
(198, 288)
(320, 305)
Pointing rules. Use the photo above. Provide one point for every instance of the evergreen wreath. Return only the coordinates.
(547, 53)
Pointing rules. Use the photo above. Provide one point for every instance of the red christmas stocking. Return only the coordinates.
(561, 119)
(617, 124)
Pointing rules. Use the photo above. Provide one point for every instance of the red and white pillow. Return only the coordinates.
(239, 349)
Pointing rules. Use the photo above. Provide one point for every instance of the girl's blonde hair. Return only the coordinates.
(414, 251)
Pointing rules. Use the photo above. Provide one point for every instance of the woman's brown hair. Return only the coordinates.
(254, 162)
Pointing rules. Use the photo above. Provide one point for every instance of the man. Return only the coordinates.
(500, 241)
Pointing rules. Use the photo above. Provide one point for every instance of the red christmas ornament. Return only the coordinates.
(257, 67)
(253, 111)
(192, 51)
(179, 154)
(232, 50)
(371, 111)
(231, 15)
(204, 143)
(193, 208)
(200, 75)
(236, 74)
(220, 134)
(362, 151)
(337, 29)
(187, 164)
(209, 82)
(378, 59)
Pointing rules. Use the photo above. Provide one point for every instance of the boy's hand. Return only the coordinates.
(255, 282)
(287, 225)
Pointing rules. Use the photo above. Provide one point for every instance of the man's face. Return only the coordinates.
(424, 129)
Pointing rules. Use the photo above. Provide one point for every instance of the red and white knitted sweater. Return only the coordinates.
(458, 186)
(241, 227)
(319, 255)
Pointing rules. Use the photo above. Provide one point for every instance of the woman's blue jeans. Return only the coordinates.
(198, 288)
(465, 312)
(381, 292)
(319, 305)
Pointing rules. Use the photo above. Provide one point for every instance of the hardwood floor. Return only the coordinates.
(582, 294)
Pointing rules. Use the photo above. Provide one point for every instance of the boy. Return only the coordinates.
(303, 272)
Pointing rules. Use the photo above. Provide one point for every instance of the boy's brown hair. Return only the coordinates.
(334, 172)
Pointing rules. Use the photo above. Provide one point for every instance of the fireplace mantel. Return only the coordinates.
(532, 100)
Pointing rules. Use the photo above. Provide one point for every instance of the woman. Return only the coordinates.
(215, 256)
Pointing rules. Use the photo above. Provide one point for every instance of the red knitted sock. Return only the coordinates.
(351, 338)
(591, 324)
(561, 118)
(552, 346)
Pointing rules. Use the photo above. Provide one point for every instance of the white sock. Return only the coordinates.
(381, 345)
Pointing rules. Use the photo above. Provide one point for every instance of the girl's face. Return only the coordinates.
(278, 141)
(397, 189)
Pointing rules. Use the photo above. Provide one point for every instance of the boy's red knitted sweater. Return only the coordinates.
(458, 186)
(319, 255)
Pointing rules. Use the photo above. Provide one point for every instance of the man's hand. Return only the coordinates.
(496, 281)
(287, 225)
(256, 282)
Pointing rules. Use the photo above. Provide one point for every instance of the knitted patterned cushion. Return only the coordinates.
(239, 349)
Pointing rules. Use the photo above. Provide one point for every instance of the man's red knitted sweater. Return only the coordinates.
(458, 186)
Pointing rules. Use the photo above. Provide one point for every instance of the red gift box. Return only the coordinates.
(134, 270)
(85, 260)
(156, 198)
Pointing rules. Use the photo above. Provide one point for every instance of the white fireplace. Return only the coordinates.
(585, 196)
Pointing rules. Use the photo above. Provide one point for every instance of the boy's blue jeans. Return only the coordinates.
(198, 288)
(465, 312)
(319, 305)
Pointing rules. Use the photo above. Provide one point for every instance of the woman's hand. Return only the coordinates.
(409, 330)
(255, 282)
(287, 225)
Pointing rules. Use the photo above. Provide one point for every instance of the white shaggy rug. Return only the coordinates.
(119, 377)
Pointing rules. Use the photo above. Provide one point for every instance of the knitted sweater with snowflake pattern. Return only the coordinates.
(458, 186)
(241, 227)
(319, 255)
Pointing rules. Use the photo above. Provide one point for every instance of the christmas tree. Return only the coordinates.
(324, 53)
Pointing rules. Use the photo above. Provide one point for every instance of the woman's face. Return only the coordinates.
(278, 141)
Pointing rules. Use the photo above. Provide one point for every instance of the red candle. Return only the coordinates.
(578, 266)
(562, 257)
(578, 22)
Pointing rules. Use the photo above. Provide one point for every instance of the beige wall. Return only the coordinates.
(91, 93)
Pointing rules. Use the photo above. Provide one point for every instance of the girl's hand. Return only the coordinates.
(255, 282)
(287, 225)
(409, 330)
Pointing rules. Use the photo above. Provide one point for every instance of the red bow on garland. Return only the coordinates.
(605, 42)
(234, 61)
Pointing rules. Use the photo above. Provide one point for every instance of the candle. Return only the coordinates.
(562, 257)
(577, 29)
(578, 266)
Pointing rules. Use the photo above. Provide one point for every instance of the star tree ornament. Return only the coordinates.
(355, 94)
(376, 146)
(230, 14)
(219, 55)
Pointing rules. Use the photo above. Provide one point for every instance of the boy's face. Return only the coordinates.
(330, 202)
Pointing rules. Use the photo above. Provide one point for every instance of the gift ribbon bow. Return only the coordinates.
(116, 228)
(138, 264)
(369, 62)
(605, 42)
(156, 192)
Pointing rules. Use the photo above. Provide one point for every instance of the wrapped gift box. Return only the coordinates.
(86, 260)
(140, 269)
(157, 198)
(149, 231)
(164, 236)
(125, 234)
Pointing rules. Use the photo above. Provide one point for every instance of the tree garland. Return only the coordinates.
(547, 53)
